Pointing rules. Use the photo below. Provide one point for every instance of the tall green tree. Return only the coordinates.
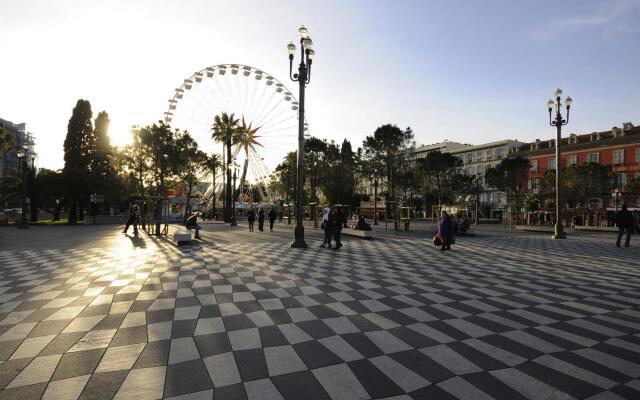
(437, 172)
(579, 183)
(391, 146)
(510, 177)
(284, 177)
(191, 161)
(100, 164)
(79, 147)
(314, 164)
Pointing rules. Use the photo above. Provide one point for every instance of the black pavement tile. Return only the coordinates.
(412, 338)
(493, 386)
(575, 387)
(563, 326)
(624, 354)
(279, 317)
(511, 346)
(183, 328)
(140, 305)
(448, 329)
(237, 322)
(373, 380)
(24, 393)
(103, 386)
(248, 306)
(40, 315)
(168, 294)
(488, 324)
(316, 355)
(92, 311)
(362, 323)
(323, 312)
(222, 298)
(422, 365)
(432, 392)
(127, 336)
(290, 302)
(212, 344)
(32, 305)
(231, 392)
(300, 385)
(186, 377)
(558, 341)
(112, 321)
(626, 392)
(271, 336)
(159, 316)
(362, 344)
(316, 329)
(117, 298)
(251, 364)
(187, 302)
(155, 354)
(592, 366)
(479, 358)
(77, 363)
(8, 347)
(10, 369)
(62, 343)
(209, 311)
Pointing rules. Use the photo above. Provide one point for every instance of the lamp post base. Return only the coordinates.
(298, 242)
(559, 233)
(233, 222)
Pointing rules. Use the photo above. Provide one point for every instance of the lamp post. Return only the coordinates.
(22, 165)
(303, 77)
(375, 199)
(558, 122)
(616, 198)
(233, 201)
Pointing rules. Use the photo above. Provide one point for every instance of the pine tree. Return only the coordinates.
(100, 163)
(78, 147)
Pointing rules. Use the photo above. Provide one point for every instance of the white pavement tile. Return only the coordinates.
(142, 384)
(528, 386)
(31, 347)
(387, 342)
(448, 358)
(340, 383)
(206, 326)
(222, 369)
(183, 349)
(137, 318)
(402, 376)
(159, 331)
(94, 340)
(462, 389)
(262, 389)
(282, 360)
(293, 334)
(341, 348)
(66, 389)
(38, 371)
(83, 324)
(119, 358)
(245, 339)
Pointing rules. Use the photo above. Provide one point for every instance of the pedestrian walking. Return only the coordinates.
(327, 226)
(192, 223)
(272, 218)
(444, 231)
(624, 221)
(338, 221)
(251, 217)
(260, 219)
(134, 215)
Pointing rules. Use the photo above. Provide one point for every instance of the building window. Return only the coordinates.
(534, 165)
(638, 154)
(469, 158)
(620, 179)
(572, 159)
(594, 157)
(499, 153)
(618, 157)
(533, 185)
(552, 163)
(498, 197)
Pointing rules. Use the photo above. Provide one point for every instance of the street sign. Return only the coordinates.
(97, 198)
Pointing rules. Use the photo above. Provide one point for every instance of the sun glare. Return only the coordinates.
(119, 133)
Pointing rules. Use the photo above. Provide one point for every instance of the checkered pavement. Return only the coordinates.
(498, 317)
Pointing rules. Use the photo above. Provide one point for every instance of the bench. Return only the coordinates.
(359, 233)
(182, 236)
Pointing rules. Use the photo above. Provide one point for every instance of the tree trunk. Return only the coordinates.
(187, 203)
(213, 191)
(73, 212)
(34, 211)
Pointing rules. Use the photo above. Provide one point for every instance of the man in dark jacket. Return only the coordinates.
(260, 219)
(338, 221)
(272, 218)
(624, 221)
(444, 229)
(251, 217)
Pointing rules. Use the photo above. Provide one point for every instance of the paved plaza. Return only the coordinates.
(87, 312)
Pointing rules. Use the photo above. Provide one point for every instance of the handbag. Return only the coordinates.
(437, 241)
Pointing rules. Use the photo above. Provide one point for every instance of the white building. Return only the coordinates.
(22, 141)
(478, 159)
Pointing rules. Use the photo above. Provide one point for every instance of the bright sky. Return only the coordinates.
(468, 71)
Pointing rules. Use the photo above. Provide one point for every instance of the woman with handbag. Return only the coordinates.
(444, 232)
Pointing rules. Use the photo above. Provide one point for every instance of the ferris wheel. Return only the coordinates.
(265, 109)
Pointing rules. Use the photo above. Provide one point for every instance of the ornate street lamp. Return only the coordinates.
(558, 122)
(233, 201)
(22, 165)
(302, 77)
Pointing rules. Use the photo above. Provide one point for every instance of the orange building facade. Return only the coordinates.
(618, 148)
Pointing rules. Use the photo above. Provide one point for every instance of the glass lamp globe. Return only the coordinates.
(291, 48)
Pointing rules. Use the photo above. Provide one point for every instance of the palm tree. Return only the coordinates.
(211, 164)
(223, 130)
(244, 138)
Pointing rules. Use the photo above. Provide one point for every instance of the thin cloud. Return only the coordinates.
(617, 17)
